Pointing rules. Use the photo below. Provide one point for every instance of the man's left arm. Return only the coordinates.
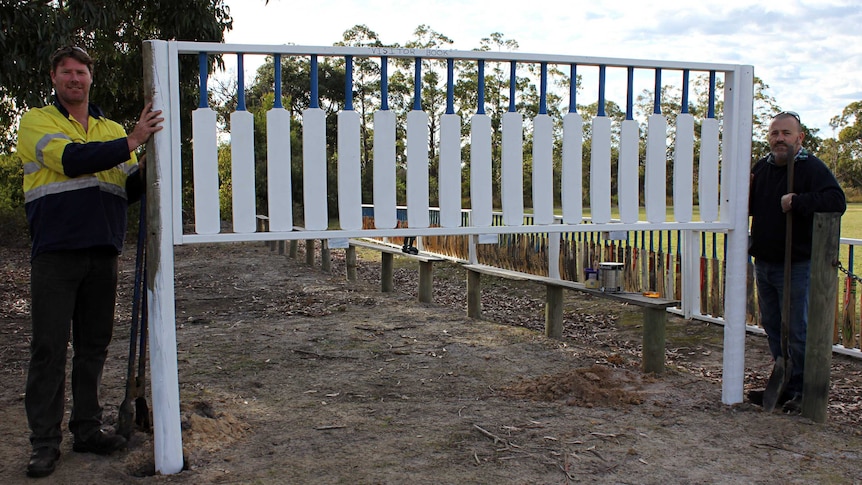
(824, 195)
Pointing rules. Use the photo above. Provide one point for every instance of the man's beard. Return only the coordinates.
(783, 157)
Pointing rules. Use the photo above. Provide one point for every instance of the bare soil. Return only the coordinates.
(289, 374)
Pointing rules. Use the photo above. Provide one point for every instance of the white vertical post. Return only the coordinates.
(735, 181)
(543, 170)
(512, 168)
(314, 169)
(167, 433)
(450, 170)
(205, 162)
(349, 171)
(628, 177)
(480, 171)
(242, 171)
(690, 274)
(417, 169)
(683, 168)
(176, 174)
(385, 211)
(572, 177)
(600, 171)
(708, 170)
(554, 255)
(655, 182)
(279, 184)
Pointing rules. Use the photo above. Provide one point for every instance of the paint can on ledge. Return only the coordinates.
(610, 276)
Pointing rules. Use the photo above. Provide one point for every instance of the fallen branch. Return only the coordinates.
(489, 434)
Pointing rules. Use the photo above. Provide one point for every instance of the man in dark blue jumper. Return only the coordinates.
(814, 190)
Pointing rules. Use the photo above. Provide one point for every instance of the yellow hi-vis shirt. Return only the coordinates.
(75, 181)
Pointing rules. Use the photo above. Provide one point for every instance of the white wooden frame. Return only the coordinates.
(165, 190)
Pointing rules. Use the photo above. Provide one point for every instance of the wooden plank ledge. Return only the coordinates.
(390, 249)
(387, 252)
(623, 296)
(654, 309)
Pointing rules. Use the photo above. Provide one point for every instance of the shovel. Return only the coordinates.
(142, 411)
(781, 371)
(125, 418)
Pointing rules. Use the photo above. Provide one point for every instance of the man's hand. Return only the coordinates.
(147, 124)
(787, 202)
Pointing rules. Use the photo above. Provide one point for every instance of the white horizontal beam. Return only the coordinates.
(185, 47)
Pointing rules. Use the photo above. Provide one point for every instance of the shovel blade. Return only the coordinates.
(125, 419)
(142, 414)
(775, 386)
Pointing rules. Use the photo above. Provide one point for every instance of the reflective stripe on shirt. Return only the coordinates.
(74, 184)
(44, 141)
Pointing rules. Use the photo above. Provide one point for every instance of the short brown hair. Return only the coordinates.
(74, 52)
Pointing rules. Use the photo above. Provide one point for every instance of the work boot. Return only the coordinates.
(43, 460)
(794, 405)
(100, 443)
(756, 397)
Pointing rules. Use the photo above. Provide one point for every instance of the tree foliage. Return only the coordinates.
(112, 32)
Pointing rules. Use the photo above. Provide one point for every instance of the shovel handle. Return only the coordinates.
(788, 248)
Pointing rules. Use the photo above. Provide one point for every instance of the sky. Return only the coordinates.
(808, 52)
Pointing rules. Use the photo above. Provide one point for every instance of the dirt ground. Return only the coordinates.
(289, 374)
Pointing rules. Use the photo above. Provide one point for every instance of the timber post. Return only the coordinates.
(554, 312)
(474, 295)
(165, 388)
(426, 290)
(654, 340)
(325, 256)
(350, 259)
(309, 252)
(387, 271)
(821, 314)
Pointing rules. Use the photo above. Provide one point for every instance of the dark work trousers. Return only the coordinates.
(770, 297)
(71, 291)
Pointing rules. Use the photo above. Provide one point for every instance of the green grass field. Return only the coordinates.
(851, 228)
(851, 222)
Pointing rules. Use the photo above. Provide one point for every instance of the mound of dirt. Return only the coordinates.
(596, 385)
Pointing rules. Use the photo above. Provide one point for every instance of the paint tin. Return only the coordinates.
(611, 277)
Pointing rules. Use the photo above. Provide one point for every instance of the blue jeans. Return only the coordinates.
(770, 295)
(73, 293)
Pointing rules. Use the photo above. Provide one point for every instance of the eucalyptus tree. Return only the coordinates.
(112, 33)
(844, 154)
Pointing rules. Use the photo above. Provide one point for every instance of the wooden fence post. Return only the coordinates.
(554, 312)
(309, 252)
(167, 431)
(655, 320)
(387, 272)
(350, 257)
(426, 279)
(821, 315)
(325, 256)
(474, 294)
